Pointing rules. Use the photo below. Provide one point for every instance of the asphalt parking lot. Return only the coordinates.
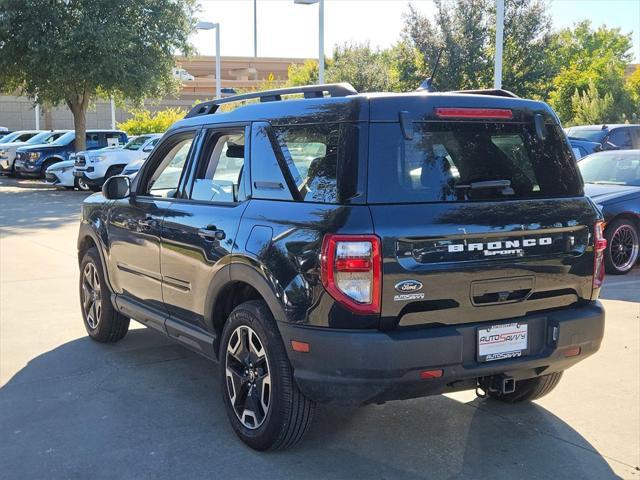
(147, 408)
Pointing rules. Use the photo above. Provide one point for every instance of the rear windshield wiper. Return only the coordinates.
(503, 185)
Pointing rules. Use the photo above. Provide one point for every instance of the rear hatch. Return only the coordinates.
(481, 215)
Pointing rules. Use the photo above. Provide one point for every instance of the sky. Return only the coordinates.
(286, 29)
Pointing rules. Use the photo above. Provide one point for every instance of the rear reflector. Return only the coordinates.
(426, 374)
(495, 113)
(571, 352)
(302, 347)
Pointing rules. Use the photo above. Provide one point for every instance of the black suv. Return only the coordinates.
(353, 248)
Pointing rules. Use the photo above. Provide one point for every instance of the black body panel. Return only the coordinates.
(447, 268)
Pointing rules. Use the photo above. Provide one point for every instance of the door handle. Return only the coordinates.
(211, 232)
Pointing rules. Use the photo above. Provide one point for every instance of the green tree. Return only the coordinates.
(590, 107)
(465, 31)
(584, 55)
(303, 74)
(71, 51)
(366, 69)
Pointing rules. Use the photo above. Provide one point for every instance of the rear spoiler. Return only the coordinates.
(489, 91)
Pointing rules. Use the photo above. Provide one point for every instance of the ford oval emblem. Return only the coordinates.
(408, 286)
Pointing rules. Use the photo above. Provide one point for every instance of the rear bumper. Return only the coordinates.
(355, 367)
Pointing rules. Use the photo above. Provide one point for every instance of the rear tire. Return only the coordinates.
(623, 246)
(102, 322)
(529, 389)
(256, 373)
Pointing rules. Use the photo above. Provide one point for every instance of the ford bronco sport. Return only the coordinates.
(353, 248)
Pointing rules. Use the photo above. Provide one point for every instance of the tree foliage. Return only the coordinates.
(590, 107)
(465, 31)
(144, 121)
(585, 56)
(366, 69)
(70, 51)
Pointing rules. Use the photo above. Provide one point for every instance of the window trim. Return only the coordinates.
(197, 158)
(157, 155)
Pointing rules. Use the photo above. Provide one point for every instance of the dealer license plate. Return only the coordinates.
(499, 342)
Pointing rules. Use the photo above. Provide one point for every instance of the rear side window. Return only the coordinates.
(621, 137)
(466, 161)
(311, 152)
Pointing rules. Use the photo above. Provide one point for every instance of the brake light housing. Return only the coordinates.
(599, 246)
(351, 271)
(478, 113)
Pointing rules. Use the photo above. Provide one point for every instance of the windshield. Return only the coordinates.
(589, 134)
(466, 161)
(65, 139)
(136, 143)
(10, 137)
(612, 168)
(43, 137)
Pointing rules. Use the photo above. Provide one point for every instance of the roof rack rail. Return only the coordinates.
(496, 92)
(309, 91)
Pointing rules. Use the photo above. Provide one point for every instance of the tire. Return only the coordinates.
(529, 389)
(46, 165)
(251, 336)
(81, 185)
(102, 322)
(623, 246)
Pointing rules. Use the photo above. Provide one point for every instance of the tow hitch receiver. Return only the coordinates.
(501, 384)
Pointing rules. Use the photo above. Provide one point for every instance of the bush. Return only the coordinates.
(144, 121)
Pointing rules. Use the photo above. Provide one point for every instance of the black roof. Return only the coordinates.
(344, 104)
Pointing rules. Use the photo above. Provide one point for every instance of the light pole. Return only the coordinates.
(497, 73)
(320, 35)
(113, 114)
(211, 26)
(37, 115)
(255, 28)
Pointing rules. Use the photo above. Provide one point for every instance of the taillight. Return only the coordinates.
(494, 113)
(599, 246)
(351, 271)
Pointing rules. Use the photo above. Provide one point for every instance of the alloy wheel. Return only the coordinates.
(82, 185)
(624, 247)
(248, 377)
(91, 295)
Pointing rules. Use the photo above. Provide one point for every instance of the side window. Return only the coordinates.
(267, 180)
(24, 137)
(165, 179)
(621, 137)
(113, 139)
(93, 141)
(311, 151)
(221, 167)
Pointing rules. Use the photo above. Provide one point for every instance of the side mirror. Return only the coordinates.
(116, 187)
(148, 148)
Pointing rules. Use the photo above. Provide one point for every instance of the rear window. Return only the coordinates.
(588, 134)
(466, 161)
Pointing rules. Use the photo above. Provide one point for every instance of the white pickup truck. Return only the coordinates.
(92, 168)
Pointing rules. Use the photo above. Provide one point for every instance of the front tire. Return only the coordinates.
(529, 389)
(263, 403)
(623, 246)
(102, 322)
(81, 185)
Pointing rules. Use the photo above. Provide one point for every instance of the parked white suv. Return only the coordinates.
(93, 167)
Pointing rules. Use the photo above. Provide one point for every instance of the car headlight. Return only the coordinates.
(33, 156)
(98, 158)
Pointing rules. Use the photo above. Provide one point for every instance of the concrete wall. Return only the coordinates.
(17, 113)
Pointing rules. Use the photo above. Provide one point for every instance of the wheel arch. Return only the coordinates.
(234, 284)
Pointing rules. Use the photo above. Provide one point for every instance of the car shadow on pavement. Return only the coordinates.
(147, 408)
(54, 207)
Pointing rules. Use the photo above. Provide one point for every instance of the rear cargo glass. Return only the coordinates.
(467, 161)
